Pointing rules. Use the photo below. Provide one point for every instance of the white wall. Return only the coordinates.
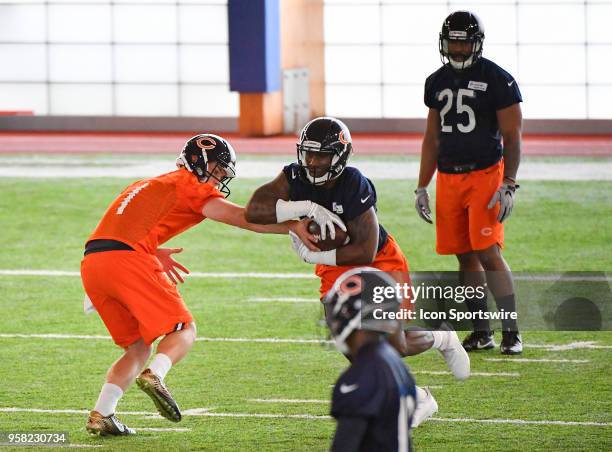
(170, 58)
(378, 54)
(128, 57)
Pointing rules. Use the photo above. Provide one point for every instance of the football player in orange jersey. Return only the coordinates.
(131, 282)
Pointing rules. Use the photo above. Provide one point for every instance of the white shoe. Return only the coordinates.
(455, 355)
(425, 408)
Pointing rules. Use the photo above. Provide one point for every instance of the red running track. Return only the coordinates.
(364, 144)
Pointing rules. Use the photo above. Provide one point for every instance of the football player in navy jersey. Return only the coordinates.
(473, 138)
(374, 400)
(321, 182)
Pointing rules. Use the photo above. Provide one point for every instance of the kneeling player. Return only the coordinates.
(123, 271)
(322, 179)
(374, 400)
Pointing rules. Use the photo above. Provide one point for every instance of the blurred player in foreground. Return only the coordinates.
(473, 104)
(321, 177)
(374, 400)
(131, 282)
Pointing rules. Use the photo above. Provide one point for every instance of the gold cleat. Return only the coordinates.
(155, 388)
(107, 425)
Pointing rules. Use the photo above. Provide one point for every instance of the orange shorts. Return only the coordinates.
(133, 296)
(389, 259)
(464, 223)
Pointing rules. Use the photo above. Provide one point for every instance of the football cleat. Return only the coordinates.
(107, 425)
(455, 356)
(479, 340)
(155, 388)
(511, 343)
(426, 407)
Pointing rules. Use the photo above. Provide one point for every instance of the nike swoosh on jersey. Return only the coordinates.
(345, 389)
(510, 83)
(365, 199)
(292, 174)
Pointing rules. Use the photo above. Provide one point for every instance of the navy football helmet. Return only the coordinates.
(201, 155)
(352, 301)
(326, 135)
(461, 26)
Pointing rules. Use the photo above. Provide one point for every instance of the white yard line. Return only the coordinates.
(276, 340)
(202, 412)
(518, 277)
(472, 374)
(521, 422)
(537, 360)
(288, 401)
(283, 300)
(76, 167)
(267, 340)
(26, 272)
(571, 346)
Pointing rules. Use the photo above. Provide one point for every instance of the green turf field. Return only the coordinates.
(262, 395)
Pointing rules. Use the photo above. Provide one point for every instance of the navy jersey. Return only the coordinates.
(351, 196)
(468, 102)
(378, 387)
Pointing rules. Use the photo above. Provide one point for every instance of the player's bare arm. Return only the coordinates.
(363, 232)
(429, 158)
(510, 121)
(429, 148)
(261, 208)
(269, 204)
(224, 211)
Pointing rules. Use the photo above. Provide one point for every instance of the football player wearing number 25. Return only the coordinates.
(473, 138)
(131, 282)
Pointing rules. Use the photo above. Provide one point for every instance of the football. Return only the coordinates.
(341, 239)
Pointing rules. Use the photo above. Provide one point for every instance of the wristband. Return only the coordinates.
(289, 210)
(327, 258)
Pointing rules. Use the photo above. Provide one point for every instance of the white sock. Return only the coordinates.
(439, 339)
(108, 398)
(160, 365)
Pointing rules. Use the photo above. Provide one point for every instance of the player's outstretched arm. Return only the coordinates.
(269, 204)
(261, 208)
(363, 232)
(224, 211)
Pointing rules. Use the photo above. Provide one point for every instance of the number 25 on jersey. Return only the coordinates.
(461, 108)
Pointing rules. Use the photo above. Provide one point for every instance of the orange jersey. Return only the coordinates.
(152, 211)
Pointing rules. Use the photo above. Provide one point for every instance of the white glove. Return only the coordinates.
(505, 196)
(421, 204)
(288, 210)
(326, 220)
(312, 257)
